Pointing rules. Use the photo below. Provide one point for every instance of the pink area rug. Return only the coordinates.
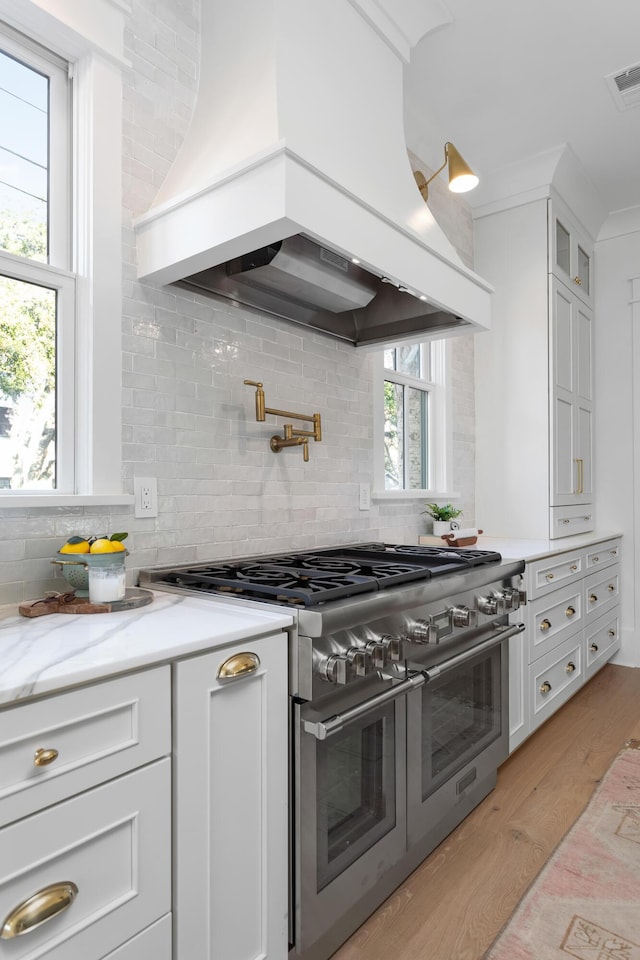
(585, 903)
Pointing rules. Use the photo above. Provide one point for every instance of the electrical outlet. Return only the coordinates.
(365, 496)
(145, 492)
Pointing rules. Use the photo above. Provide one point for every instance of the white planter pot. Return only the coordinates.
(440, 527)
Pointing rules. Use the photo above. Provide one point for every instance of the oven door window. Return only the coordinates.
(461, 716)
(356, 791)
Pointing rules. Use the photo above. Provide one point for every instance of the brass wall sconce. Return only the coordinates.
(291, 437)
(461, 176)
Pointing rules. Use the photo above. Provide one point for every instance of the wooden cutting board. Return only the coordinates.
(69, 603)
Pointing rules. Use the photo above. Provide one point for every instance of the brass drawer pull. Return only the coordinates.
(573, 567)
(545, 688)
(614, 552)
(239, 665)
(42, 757)
(570, 612)
(596, 559)
(42, 906)
(593, 598)
(545, 625)
(549, 576)
(611, 633)
(594, 648)
(570, 667)
(612, 588)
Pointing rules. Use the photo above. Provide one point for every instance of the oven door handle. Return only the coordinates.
(327, 728)
(501, 632)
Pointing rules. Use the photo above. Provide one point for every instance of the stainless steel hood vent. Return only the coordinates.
(295, 164)
(299, 280)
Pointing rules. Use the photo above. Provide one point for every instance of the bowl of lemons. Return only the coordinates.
(78, 554)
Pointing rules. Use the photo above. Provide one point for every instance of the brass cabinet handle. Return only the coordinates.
(594, 648)
(595, 559)
(614, 552)
(578, 281)
(588, 517)
(612, 587)
(574, 567)
(545, 625)
(545, 688)
(239, 665)
(570, 667)
(37, 909)
(611, 633)
(580, 463)
(593, 598)
(42, 757)
(570, 611)
(565, 521)
(549, 576)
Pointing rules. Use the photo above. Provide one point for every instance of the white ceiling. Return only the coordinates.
(509, 79)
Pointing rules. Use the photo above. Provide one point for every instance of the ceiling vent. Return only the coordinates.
(625, 87)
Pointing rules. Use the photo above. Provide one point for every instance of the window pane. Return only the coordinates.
(417, 401)
(24, 147)
(409, 360)
(393, 436)
(27, 385)
(390, 359)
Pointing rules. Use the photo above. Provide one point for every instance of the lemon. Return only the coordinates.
(116, 546)
(75, 545)
(104, 546)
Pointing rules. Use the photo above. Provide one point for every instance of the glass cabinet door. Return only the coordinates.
(570, 253)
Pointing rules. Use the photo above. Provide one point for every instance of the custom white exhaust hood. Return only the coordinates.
(298, 133)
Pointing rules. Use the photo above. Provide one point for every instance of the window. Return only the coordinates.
(37, 289)
(412, 447)
(60, 252)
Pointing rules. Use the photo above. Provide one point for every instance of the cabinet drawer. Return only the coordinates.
(94, 734)
(602, 555)
(113, 843)
(565, 521)
(555, 571)
(154, 943)
(601, 592)
(553, 619)
(602, 639)
(555, 678)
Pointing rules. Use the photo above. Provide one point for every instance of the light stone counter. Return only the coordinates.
(44, 654)
(514, 549)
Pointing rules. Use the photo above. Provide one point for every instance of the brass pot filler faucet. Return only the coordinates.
(291, 437)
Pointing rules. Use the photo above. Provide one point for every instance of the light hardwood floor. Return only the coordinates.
(455, 904)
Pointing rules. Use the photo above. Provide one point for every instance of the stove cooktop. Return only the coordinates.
(311, 578)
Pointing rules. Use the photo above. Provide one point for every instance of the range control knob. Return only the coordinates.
(392, 647)
(419, 632)
(379, 653)
(463, 617)
(488, 605)
(335, 669)
(359, 659)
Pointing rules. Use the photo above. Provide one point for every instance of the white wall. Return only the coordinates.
(187, 416)
(617, 392)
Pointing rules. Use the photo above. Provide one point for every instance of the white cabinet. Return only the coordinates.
(533, 373)
(85, 819)
(571, 630)
(571, 398)
(230, 803)
(571, 252)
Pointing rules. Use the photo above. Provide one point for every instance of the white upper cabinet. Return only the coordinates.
(570, 252)
(533, 373)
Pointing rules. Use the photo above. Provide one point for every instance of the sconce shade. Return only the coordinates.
(461, 176)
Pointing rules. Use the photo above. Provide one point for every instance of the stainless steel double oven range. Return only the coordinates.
(398, 667)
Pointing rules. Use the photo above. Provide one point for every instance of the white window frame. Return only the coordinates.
(90, 37)
(440, 438)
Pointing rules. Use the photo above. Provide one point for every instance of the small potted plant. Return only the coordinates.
(442, 517)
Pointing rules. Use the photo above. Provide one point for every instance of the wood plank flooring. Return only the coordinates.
(455, 904)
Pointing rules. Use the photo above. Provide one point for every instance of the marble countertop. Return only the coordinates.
(44, 654)
(517, 549)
